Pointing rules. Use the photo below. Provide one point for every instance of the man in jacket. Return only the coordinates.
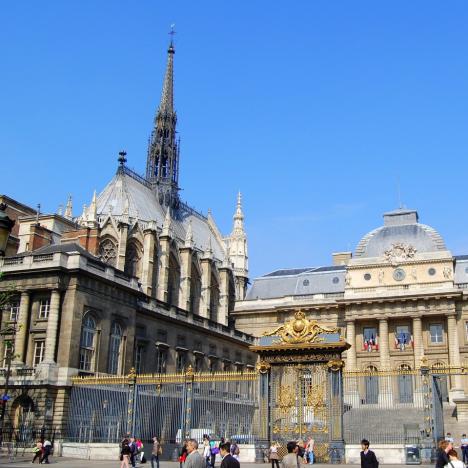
(194, 459)
(368, 458)
(228, 460)
(290, 460)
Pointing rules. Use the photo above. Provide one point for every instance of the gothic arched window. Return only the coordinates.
(108, 252)
(214, 299)
(88, 343)
(174, 281)
(132, 259)
(115, 347)
(195, 290)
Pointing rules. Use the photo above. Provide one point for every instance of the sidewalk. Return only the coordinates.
(23, 462)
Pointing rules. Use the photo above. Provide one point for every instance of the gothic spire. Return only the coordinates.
(162, 168)
(238, 216)
(69, 208)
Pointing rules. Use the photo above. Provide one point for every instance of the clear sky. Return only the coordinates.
(315, 110)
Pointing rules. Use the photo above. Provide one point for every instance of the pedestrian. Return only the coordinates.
(442, 458)
(234, 449)
(194, 459)
(301, 451)
(464, 448)
(228, 460)
(133, 451)
(140, 448)
(454, 461)
(37, 452)
(290, 460)
(214, 450)
(310, 450)
(155, 452)
(207, 450)
(125, 453)
(449, 438)
(183, 454)
(368, 458)
(46, 449)
(273, 455)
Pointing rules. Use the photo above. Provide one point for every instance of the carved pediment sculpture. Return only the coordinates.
(399, 252)
(300, 330)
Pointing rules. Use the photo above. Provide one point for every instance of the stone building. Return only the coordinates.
(140, 279)
(400, 297)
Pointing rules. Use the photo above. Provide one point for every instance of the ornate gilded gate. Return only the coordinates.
(300, 405)
(300, 363)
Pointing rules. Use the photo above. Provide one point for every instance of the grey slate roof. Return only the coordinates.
(298, 281)
(400, 226)
(126, 192)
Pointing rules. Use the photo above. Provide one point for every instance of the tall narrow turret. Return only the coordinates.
(162, 168)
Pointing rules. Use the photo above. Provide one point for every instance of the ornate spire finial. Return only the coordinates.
(189, 236)
(172, 33)
(209, 249)
(92, 212)
(84, 215)
(162, 167)
(166, 230)
(69, 208)
(122, 158)
(239, 216)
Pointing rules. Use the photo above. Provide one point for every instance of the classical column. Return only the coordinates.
(454, 350)
(351, 361)
(52, 328)
(417, 341)
(21, 329)
(383, 344)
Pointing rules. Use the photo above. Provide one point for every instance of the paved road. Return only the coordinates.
(23, 462)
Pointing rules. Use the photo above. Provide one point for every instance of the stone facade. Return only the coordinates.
(139, 280)
(399, 298)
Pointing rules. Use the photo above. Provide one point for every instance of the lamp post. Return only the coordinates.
(6, 225)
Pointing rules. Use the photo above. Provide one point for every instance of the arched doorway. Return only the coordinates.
(23, 418)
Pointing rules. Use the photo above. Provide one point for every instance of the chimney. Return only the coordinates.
(39, 236)
(86, 237)
(341, 258)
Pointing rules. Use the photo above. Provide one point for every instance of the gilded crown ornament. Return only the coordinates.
(300, 330)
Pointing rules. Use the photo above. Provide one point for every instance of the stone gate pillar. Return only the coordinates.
(337, 451)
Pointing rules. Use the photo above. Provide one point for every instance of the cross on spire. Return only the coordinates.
(172, 33)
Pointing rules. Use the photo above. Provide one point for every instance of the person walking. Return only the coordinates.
(207, 450)
(46, 449)
(37, 452)
(454, 461)
(125, 453)
(133, 451)
(442, 453)
(155, 452)
(228, 460)
(464, 448)
(310, 450)
(273, 455)
(368, 458)
(290, 460)
(194, 459)
(234, 449)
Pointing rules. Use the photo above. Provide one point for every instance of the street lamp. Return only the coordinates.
(6, 224)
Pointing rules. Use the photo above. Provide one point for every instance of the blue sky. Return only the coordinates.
(315, 110)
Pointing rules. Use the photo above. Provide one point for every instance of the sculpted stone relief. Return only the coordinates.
(399, 252)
